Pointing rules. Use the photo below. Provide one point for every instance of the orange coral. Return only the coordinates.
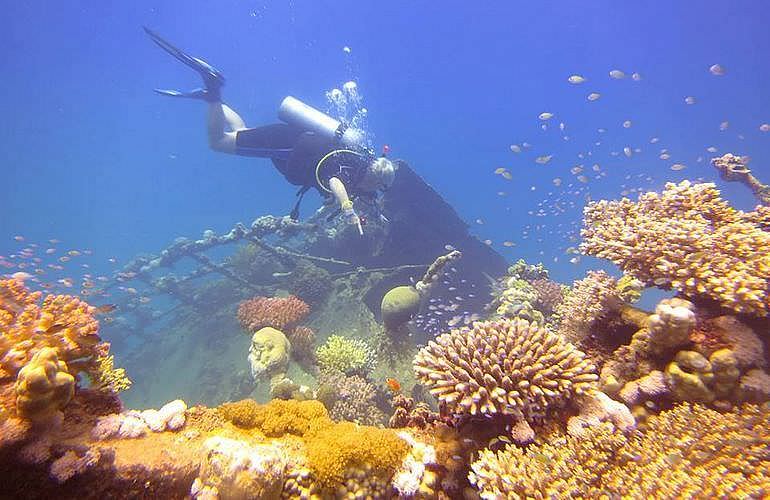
(687, 239)
(282, 313)
(278, 417)
(63, 322)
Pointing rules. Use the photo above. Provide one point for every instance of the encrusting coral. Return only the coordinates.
(687, 239)
(282, 313)
(348, 355)
(687, 452)
(507, 367)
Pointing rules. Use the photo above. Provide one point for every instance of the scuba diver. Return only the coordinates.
(310, 149)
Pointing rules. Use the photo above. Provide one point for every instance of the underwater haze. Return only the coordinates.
(530, 228)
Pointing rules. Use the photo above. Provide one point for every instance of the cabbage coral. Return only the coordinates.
(686, 452)
(687, 239)
(508, 367)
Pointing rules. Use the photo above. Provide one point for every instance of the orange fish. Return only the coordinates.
(106, 308)
(393, 384)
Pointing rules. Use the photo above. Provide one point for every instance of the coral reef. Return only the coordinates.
(303, 345)
(348, 355)
(268, 353)
(134, 424)
(687, 239)
(686, 452)
(733, 168)
(282, 313)
(43, 386)
(509, 367)
(549, 295)
(349, 398)
(310, 283)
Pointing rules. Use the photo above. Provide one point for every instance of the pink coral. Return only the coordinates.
(282, 313)
(687, 239)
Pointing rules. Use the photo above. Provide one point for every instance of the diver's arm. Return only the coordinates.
(341, 195)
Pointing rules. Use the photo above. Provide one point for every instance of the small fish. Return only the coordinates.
(507, 175)
(576, 169)
(73, 253)
(627, 151)
(64, 258)
(556, 181)
(449, 248)
(576, 79)
(393, 384)
(617, 74)
(18, 238)
(723, 126)
(500, 170)
(562, 126)
(583, 179)
(545, 115)
(636, 77)
(677, 166)
(711, 149)
(487, 242)
(689, 100)
(21, 276)
(56, 328)
(627, 124)
(50, 251)
(664, 156)
(509, 244)
(716, 70)
(654, 140)
(593, 96)
(144, 300)
(515, 148)
(542, 160)
(106, 308)
(765, 127)
(281, 275)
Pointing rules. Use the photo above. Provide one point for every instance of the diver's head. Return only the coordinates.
(380, 175)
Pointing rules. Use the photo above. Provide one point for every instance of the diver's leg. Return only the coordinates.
(223, 126)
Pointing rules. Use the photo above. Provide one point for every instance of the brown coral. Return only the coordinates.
(549, 294)
(282, 313)
(509, 367)
(589, 300)
(353, 398)
(687, 239)
(687, 452)
(303, 345)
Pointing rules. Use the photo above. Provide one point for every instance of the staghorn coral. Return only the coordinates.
(282, 313)
(590, 299)
(686, 452)
(268, 353)
(509, 367)
(43, 386)
(687, 239)
(549, 294)
(349, 355)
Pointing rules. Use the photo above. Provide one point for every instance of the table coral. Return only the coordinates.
(687, 239)
(282, 313)
(509, 367)
(351, 356)
(687, 452)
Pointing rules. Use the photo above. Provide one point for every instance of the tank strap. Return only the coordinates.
(300, 194)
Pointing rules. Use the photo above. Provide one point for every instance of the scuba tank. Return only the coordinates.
(297, 113)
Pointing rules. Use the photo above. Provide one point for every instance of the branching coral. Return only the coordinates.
(282, 313)
(589, 300)
(687, 239)
(348, 355)
(549, 294)
(687, 452)
(352, 398)
(509, 367)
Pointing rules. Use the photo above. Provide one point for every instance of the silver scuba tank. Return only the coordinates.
(297, 113)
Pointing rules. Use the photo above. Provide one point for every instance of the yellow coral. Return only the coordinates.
(687, 239)
(348, 355)
(334, 449)
(108, 378)
(278, 417)
(43, 386)
(687, 452)
(509, 367)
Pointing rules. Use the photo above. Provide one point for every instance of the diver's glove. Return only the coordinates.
(351, 216)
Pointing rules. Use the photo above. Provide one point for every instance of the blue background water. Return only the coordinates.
(91, 156)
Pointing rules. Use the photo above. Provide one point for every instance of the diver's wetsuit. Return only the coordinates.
(297, 153)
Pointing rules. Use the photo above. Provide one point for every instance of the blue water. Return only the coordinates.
(92, 157)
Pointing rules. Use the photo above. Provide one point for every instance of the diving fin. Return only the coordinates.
(213, 79)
